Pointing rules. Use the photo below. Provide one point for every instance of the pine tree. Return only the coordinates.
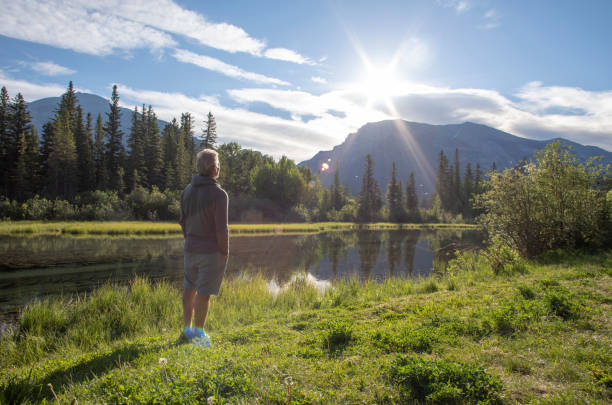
(210, 132)
(190, 148)
(457, 198)
(99, 156)
(114, 146)
(83, 144)
(337, 195)
(444, 182)
(412, 200)
(136, 174)
(5, 141)
(370, 199)
(62, 158)
(395, 197)
(153, 150)
(468, 191)
(32, 162)
(169, 148)
(180, 165)
(19, 126)
(46, 147)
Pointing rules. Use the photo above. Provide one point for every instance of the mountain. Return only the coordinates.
(43, 111)
(415, 147)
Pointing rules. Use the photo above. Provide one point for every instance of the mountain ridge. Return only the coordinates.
(415, 147)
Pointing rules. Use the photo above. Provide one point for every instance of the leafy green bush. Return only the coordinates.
(554, 203)
(503, 259)
(420, 340)
(560, 304)
(337, 335)
(441, 382)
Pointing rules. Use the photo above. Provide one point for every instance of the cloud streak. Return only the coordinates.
(206, 62)
(51, 69)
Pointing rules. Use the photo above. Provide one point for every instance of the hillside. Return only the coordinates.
(415, 147)
(43, 110)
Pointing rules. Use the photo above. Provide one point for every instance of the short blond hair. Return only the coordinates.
(206, 162)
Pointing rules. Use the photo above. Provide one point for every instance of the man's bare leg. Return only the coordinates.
(200, 310)
(189, 296)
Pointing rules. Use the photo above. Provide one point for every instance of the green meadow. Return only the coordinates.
(516, 332)
(148, 228)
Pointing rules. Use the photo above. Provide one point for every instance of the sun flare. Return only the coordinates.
(379, 84)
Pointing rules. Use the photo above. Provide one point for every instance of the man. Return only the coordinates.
(203, 218)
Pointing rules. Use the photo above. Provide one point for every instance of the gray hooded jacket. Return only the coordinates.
(204, 216)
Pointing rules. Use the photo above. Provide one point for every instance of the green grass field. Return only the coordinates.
(542, 335)
(146, 228)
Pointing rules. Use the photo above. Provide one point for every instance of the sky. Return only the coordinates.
(295, 77)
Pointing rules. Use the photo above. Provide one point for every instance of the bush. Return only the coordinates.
(553, 203)
(503, 259)
(337, 335)
(441, 382)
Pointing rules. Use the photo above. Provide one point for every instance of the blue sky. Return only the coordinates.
(295, 77)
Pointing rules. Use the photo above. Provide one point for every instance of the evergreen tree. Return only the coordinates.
(395, 197)
(62, 158)
(412, 200)
(19, 126)
(180, 166)
(457, 198)
(468, 191)
(83, 144)
(444, 182)
(46, 147)
(114, 146)
(190, 147)
(99, 155)
(169, 149)
(5, 141)
(136, 174)
(32, 162)
(370, 200)
(210, 132)
(20, 170)
(338, 197)
(154, 156)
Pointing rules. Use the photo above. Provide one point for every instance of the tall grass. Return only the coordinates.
(143, 228)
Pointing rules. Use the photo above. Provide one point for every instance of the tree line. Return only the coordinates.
(80, 169)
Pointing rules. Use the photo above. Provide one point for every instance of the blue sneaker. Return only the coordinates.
(198, 337)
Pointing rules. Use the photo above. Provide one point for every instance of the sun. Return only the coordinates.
(378, 84)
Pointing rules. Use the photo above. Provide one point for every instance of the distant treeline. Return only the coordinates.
(80, 169)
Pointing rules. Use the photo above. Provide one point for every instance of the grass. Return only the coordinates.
(542, 335)
(147, 228)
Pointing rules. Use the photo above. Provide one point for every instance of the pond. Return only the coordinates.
(37, 266)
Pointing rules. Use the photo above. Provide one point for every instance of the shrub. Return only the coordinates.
(503, 259)
(337, 335)
(420, 340)
(553, 203)
(560, 304)
(441, 382)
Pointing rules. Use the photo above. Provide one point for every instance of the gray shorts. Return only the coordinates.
(204, 272)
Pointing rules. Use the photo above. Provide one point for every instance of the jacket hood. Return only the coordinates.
(198, 181)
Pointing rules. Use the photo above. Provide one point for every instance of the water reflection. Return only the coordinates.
(34, 267)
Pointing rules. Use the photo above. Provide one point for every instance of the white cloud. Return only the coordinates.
(101, 28)
(492, 19)
(30, 91)
(287, 55)
(318, 79)
(216, 65)
(70, 25)
(460, 6)
(51, 69)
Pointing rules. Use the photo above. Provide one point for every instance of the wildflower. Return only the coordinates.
(210, 400)
(163, 361)
(288, 380)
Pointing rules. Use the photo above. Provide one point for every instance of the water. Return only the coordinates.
(38, 266)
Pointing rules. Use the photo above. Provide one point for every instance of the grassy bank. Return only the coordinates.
(542, 335)
(147, 228)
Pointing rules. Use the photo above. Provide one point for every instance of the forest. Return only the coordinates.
(85, 168)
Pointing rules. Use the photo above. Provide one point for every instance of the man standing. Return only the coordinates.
(203, 218)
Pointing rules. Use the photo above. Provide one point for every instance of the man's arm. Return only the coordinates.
(222, 229)
(182, 216)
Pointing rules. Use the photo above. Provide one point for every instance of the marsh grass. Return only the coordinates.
(535, 337)
(148, 228)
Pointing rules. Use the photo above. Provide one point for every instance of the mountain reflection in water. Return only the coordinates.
(38, 266)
